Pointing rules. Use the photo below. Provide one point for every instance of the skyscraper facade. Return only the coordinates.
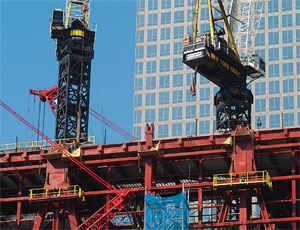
(162, 82)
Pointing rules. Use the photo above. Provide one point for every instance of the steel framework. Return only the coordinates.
(193, 161)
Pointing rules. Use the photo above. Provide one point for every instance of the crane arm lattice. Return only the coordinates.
(78, 9)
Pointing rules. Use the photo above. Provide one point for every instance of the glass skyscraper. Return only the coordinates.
(162, 82)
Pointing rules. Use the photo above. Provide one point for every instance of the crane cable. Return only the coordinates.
(59, 148)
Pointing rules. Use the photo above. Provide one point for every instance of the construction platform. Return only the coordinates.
(199, 164)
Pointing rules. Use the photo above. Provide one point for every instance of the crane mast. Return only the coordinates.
(219, 61)
(74, 52)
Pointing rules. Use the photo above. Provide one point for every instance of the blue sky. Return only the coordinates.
(28, 61)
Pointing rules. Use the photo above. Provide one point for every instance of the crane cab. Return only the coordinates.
(57, 23)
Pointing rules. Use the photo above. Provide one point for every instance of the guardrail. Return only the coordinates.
(244, 178)
(45, 193)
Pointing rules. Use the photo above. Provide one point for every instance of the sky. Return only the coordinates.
(28, 61)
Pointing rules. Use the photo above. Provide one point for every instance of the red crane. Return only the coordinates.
(50, 96)
(110, 209)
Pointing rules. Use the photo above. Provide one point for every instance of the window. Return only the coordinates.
(297, 4)
(203, 80)
(287, 20)
(298, 51)
(189, 97)
(165, 34)
(163, 131)
(273, 22)
(288, 119)
(140, 7)
(260, 88)
(163, 114)
(164, 81)
(298, 102)
(190, 112)
(164, 98)
(150, 99)
(274, 104)
(204, 110)
(150, 115)
(138, 68)
(151, 51)
(274, 70)
(140, 20)
(152, 35)
(298, 85)
(178, 32)
(177, 80)
(177, 96)
(189, 78)
(138, 84)
(139, 52)
(204, 127)
(274, 87)
(151, 67)
(262, 121)
(288, 102)
(190, 16)
(137, 117)
(287, 36)
(139, 36)
(297, 19)
(179, 16)
(165, 18)
(288, 86)
(204, 14)
(298, 68)
(165, 49)
(177, 64)
(204, 94)
(274, 54)
(298, 35)
(262, 24)
(179, 3)
(272, 6)
(152, 4)
(260, 39)
(273, 38)
(204, 28)
(177, 48)
(259, 7)
(152, 19)
(151, 83)
(287, 53)
(261, 53)
(164, 65)
(176, 130)
(177, 113)
(260, 105)
(287, 69)
(137, 132)
(274, 121)
(165, 4)
(190, 129)
(137, 100)
(286, 5)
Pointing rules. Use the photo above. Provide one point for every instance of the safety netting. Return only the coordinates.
(166, 213)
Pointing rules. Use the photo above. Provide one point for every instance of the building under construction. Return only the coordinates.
(239, 179)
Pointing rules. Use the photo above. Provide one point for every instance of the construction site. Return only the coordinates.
(236, 178)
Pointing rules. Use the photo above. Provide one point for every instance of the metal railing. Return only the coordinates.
(42, 143)
(244, 178)
(45, 193)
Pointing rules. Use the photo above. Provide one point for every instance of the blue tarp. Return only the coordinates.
(163, 213)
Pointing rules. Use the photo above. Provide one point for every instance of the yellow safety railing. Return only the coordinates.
(41, 143)
(72, 190)
(245, 178)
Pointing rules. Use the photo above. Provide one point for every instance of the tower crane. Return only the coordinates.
(220, 62)
(74, 51)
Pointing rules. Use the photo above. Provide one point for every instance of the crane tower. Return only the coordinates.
(74, 51)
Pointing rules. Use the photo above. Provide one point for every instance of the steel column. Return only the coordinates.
(42, 209)
(243, 209)
(293, 171)
(18, 216)
(200, 195)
